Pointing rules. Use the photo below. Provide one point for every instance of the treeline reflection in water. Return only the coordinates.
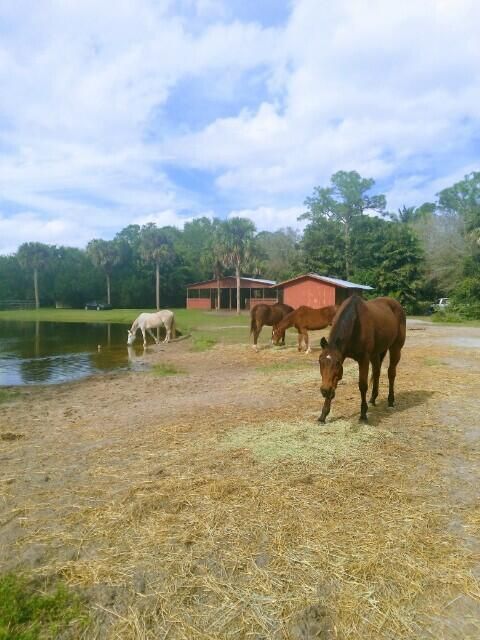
(54, 352)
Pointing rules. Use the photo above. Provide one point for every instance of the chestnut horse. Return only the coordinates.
(304, 319)
(363, 331)
(266, 314)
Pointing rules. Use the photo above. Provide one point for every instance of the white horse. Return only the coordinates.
(148, 321)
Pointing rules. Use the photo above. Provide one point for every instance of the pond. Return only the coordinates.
(54, 352)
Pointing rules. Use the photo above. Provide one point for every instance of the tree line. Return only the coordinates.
(416, 254)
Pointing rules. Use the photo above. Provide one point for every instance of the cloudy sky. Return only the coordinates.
(128, 111)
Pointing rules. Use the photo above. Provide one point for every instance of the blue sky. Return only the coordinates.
(125, 112)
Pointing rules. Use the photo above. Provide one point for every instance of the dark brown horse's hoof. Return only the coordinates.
(320, 420)
(372, 402)
(363, 419)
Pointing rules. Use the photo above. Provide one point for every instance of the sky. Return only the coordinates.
(129, 111)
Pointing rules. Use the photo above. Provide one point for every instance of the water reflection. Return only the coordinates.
(51, 352)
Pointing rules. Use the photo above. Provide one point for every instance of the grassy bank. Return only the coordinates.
(453, 317)
(185, 317)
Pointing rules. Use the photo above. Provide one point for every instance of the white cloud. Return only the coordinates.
(168, 217)
(369, 85)
(29, 227)
(390, 90)
(268, 218)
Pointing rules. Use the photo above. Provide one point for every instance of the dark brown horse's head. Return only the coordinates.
(331, 368)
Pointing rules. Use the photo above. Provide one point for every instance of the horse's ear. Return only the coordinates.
(323, 343)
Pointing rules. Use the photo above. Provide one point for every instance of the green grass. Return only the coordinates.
(28, 613)
(6, 395)
(453, 317)
(165, 369)
(202, 342)
(191, 318)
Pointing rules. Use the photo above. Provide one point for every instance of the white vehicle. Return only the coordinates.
(442, 304)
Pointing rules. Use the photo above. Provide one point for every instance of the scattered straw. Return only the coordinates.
(223, 511)
(303, 440)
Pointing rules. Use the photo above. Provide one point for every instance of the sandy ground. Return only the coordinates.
(155, 499)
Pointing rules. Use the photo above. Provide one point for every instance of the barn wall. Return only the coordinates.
(311, 293)
(252, 302)
(198, 303)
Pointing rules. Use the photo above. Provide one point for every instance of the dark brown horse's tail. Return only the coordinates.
(253, 321)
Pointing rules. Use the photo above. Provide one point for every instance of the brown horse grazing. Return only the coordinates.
(363, 331)
(304, 319)
(266, 314)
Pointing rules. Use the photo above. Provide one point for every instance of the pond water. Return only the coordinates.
(53, 352)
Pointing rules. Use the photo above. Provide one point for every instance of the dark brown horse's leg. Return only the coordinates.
(256, 333)
(395, 354)
(300, 337)
(325, 410)
(376, 366)
(363, 386)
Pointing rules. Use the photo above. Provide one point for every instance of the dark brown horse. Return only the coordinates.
(266, 314)
(304, 319)
(363, 331)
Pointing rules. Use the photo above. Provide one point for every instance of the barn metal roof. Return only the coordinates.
(338, 282)
(269, 283)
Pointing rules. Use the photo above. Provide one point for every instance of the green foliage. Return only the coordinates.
(28, 613)
(105, 254)
(15, 283)
(388, 257)
(74, 278)
(441, 235)
(34, 255)
(345, 200)
(156, 245)
(279, 251)
(463, 198)
(237, 240)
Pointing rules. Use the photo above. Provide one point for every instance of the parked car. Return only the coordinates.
(440, 305)
(97, 306)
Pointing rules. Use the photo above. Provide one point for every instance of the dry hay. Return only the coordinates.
(303, 440)
(216, 544)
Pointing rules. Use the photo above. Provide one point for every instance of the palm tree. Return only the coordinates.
(238, 246)
(213, 257)
(156, 246)
(34, 256)
(106, 255)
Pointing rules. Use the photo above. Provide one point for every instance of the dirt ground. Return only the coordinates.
(211, 504)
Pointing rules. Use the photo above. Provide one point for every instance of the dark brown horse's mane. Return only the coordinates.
(344, 323)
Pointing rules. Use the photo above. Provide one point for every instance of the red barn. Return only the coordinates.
(203, 295)
(317, 291)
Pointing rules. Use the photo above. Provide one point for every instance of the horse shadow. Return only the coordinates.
(404, 400)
